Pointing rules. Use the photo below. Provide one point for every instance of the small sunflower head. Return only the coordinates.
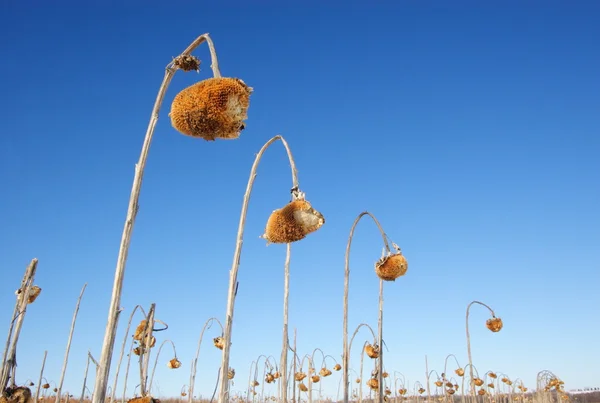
(390, 267)
(372, 350)
(174, 363)
(494, 324)
(219, 342)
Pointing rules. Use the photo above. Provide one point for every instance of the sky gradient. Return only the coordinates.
(471, 131)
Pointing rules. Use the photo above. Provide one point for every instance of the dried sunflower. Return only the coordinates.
(211, 109)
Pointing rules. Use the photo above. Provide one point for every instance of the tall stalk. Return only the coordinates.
(132, 209)
(346, 287)
(472, 385)
(145, 350)
(39, 384)
(380, 330)
(120, 361)
(207, 325)
(66, 359)
(156, 361)
(233, 284)
(9, 359)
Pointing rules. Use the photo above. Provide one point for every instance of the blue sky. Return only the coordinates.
(470, 130)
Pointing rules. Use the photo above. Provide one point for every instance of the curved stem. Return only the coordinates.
(207, 325)
(132, 209)
(236, 260)
(346, 287)
(472, 391)
(114, 388)
(156, 362)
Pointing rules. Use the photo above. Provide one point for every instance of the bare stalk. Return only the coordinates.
(114, 388)
(66, 360)
(223, 392)
(285, 342)
(145, 352)
(380, 327)
(206, 326)
(472, 384)
(156, 361)
(127, 371)
(346, 287)
(85, 374)
(9, 361)
(39, 385)
(132, 209)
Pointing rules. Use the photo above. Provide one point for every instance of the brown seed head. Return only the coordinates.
(421, 391)
(337, 367)
(34, 292)
(212, 109)
(219, 342)
(450, 391)
(140, 330)
(494, 324)
(459, 371)
(373, 383)
(299, 376)
(187, 63)
(478, 381)
(390, 267)
(481, 392)
(174, 363)
(303, 387)
(439, 383)
(492, 375)
(231, 373)
(145, 399)
(16, 394)
(372, 350)
(315, 378)
(402, 391)
(293, 222)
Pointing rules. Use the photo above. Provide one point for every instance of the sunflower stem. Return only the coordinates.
(224, 390)
(66, 359)
(110, 334)
(9, 360)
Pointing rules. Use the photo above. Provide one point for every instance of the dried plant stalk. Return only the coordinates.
(346, 352)
(125, 338)
(207, 325)
(145, 351)
(9, 360)
(66, 360)
(285, 342)
(472, 385)
(132, 209)
(156, 361)
(39, 384)
(224, 387)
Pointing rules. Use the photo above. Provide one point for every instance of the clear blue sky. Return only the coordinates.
(471, 131)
